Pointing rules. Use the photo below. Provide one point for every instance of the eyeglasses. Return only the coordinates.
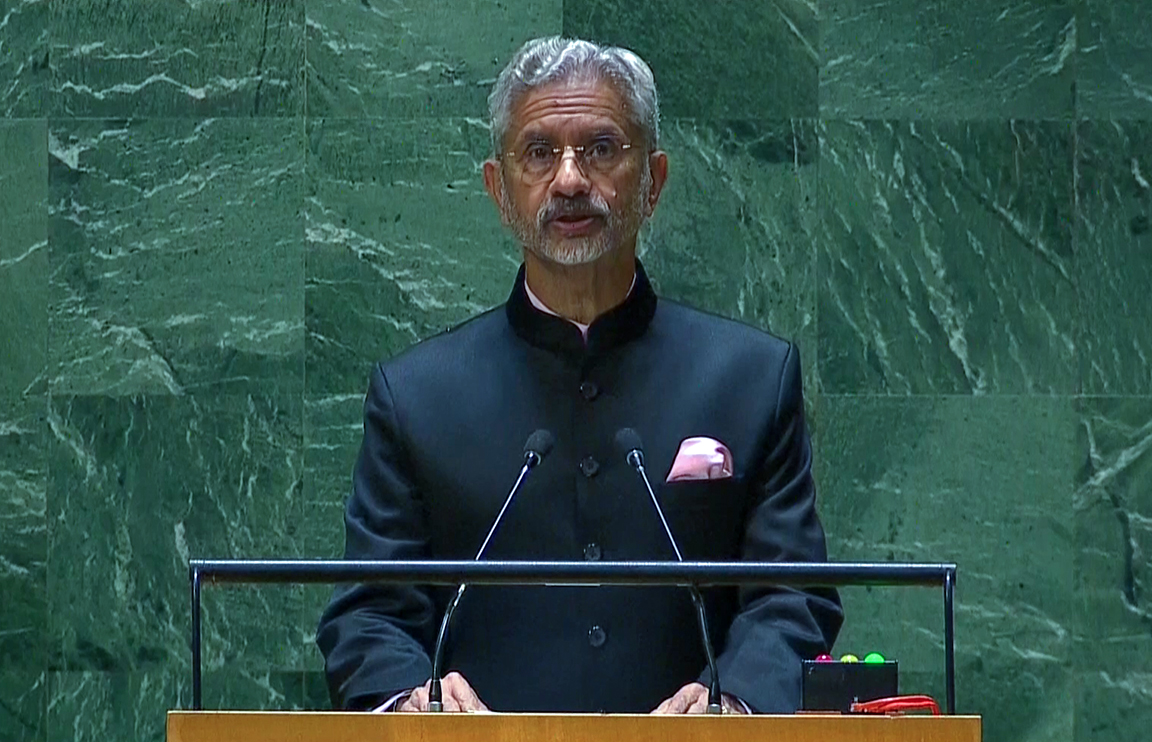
(539, 158)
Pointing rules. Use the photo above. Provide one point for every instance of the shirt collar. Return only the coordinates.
(536, 302)
(620, 325)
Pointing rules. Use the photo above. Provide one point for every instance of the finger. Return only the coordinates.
(417, 701)
(663, 707)
(699, 704)
(463, 694)
(731, 706)
(450, 703)
(466, 694)
(680, 701)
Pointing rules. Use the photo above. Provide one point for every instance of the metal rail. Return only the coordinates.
(634, 574)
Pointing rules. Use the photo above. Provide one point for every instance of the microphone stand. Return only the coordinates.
(435, 692)
(715, 705)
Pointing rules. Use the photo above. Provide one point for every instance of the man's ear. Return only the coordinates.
(658, 167)
(494, 184)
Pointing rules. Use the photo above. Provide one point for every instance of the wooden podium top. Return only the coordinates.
(301, 726)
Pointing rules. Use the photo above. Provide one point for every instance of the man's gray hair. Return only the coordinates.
(554, 59)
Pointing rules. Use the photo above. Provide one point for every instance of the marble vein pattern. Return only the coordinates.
(403, 241)
(1114, 68)
(131, 705)
(333, 429)
(23, 535)
(945, 258)
(734, 229)
(24, 705)
(415, 58)
(177, 255)
(23, 256)
(23, 567)
(139, 485)
(1114, 255)
(926, 59)
(739, 59)
(899, 481)
(1113, 511)
(24, 57)
(132, 58)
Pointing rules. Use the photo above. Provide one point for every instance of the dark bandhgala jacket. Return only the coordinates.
(444, 427)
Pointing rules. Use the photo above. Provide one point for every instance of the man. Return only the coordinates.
(582, 348)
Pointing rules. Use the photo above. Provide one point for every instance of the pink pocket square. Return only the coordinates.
(701, 458)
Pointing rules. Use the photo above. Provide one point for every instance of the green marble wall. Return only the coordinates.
(214, 215)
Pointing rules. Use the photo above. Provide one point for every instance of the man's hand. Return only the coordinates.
(457, 694)
(693, 699)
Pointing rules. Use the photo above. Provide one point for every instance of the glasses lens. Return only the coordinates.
(538, 160)
(602, 154)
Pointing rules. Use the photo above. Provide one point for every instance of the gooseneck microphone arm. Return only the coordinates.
(535, 449)
(628, 440)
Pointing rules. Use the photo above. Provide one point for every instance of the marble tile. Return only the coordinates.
(176, 255)
(139, 485)
(23, 705)
(1113, 508)
(261, 690)
(322, 532)
(415, 58)
(1114, 256)
(734, 231)
(23, 255)
(1114, 65)
(916, 59)
(333, 429)
(737, 59)
(986, 483)
(24, 57)
(174, 58)
(945, 258)
(23, 535)
(403, 241)
(99, 706)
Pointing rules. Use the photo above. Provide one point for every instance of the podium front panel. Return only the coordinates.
(260, 726)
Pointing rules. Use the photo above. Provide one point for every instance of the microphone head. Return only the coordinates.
(627, 441)
(539, 443)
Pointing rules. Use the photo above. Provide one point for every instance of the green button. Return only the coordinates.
(875, 658)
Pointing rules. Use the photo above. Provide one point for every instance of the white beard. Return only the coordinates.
(621, 225)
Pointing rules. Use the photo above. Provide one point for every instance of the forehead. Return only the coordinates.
(572, 107)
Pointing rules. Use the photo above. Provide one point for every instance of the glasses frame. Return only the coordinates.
(560, 153)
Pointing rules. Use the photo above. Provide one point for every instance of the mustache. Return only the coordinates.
(582, 206)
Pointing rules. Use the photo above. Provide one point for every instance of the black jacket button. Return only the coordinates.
(589, 390)
(589, 466)
(592, 552)
(597, 636)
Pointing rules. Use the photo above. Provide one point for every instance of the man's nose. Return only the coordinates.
(569, 179)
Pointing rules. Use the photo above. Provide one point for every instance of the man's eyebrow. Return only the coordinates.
(600, 132)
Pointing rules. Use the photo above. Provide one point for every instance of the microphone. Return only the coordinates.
(628, 442)
(538, 445)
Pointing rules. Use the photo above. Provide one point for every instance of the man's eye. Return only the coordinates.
(538, 152)
(601, 149)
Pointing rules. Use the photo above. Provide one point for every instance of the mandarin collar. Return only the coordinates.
(618, 326)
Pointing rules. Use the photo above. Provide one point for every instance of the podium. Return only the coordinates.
(297, 726)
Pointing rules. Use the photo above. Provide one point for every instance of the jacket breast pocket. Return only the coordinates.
(706, 516)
